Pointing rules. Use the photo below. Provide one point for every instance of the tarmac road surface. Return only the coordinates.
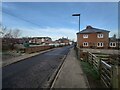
(33, 72)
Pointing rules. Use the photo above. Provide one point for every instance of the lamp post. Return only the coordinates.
(79, 19)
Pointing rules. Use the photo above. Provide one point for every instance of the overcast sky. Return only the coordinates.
(55, 19)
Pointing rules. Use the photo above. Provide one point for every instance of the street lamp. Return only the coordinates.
(79, 19)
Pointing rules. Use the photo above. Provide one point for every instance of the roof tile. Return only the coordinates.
(90, 29)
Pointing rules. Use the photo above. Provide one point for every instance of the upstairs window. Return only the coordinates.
(100, 35)
(85, 36)
(100, 44)
(85, 44)
(112, 44)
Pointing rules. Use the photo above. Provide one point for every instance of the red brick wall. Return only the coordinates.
(93, 40)
(36, 49)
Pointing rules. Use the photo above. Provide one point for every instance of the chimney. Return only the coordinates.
(89, 27)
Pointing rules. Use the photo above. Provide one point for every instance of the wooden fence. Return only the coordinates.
(108, 73)
(93, 60)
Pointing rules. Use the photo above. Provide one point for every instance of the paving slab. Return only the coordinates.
(71, 74)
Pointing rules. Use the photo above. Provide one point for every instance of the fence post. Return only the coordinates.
(87, 56)
(114, 77)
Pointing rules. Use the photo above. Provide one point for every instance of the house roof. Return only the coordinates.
(111, 39)
(90, 29)
(63, 39)
(41, 37)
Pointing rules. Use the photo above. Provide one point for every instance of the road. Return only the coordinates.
(33, 72)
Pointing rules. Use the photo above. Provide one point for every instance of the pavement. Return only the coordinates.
(22, 57)
(71, 74)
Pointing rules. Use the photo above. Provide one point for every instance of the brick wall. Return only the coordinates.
(36, 49)
(93, 40)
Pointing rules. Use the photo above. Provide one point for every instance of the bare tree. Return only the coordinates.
(9, 33)
(2, 30)
(9, 37)
(16, 33)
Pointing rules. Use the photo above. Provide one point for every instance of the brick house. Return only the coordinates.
(66, 41)
(114, 43)
(40, 40)
(93, 38)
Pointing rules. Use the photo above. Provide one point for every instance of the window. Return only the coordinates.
(100, 44)
(42, 40)
(112, 44)
(85, 36)
(85, 44)
(100, 35)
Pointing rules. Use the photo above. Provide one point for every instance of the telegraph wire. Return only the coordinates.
(21, 18)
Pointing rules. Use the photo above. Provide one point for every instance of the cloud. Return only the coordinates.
(54, 33)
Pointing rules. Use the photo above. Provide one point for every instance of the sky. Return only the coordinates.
(55, 20)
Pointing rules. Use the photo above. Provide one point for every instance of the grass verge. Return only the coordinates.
(88, 69)
(92, 75)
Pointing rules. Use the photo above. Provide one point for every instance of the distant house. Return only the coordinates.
(40, 40)
(61, 42)
(93, 38)
(114, 43)
(65, 41)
